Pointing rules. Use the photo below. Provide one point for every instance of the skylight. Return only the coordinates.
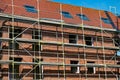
(30, 8)
(66, 14)
(83, 17)
(106, 20)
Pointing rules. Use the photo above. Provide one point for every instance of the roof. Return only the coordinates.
(52, 10)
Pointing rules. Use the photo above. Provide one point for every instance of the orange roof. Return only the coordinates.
(48, 9)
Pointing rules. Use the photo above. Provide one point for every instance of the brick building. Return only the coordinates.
(45, 40)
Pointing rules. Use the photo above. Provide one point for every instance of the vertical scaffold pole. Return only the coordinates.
(83, 32)
(63, 52)
(103, 50)
(13, 43)
(40, 37)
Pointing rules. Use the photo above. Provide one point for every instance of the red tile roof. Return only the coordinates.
(48, 9)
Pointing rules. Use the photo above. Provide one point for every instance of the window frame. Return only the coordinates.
(13, 33)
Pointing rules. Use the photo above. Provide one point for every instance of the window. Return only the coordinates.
(83, 17)
(1, 10)
(118, 71)
(89, 41)
(1, 29)
(38, 70)
(66, 14)
(14, 32)
(16, 69)
(118, 16)
(117, 42)
(30, 9)
(36, 47)
(90, 70)
(36, 34)
(72, 39)
(74, 69)
(1, 46)
(106, 20)
(118, 53)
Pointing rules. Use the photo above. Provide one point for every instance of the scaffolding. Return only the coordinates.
(39, 48)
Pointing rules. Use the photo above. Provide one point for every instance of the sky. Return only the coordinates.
(96, 4)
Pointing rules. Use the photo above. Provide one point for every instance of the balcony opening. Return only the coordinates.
(74, 68)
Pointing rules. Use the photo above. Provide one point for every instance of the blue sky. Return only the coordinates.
(97, 4)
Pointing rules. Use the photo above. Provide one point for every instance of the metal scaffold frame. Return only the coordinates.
(36, 24)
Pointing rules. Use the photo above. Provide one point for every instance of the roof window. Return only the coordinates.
(66, 14)
(106, 20)
(30, 8)
(83, 17)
